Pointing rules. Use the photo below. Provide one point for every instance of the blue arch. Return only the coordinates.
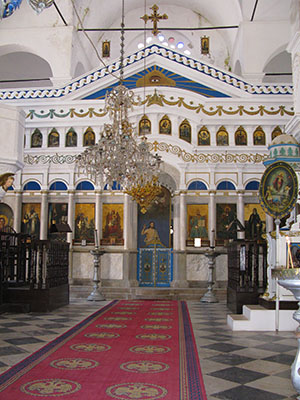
(85, 185)
(225, 185)
(197, 185)
(58, 185)
(32, 186)
(252, 185)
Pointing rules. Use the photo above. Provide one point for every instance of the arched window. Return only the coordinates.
(71, 138)
(36, 138)
(85, 185)
(203, 137)
(197, 185)
(185, 131)
(89, 137)
(32, 185)
(144, 126)
(222, 137)
(276, 132)
(252, 185)
(165, 126)
(58, 185)
(225, 185)
(240, 137)
(53, 138)
(259, 137)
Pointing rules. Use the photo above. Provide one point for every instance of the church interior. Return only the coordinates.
(150, 155)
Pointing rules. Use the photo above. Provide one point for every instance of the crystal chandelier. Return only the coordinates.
(119, 156)
(40, 5)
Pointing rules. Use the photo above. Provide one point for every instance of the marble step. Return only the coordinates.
(83, 291)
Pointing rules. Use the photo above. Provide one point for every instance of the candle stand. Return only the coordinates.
(290, 279)
(96, 295)
(209, 296)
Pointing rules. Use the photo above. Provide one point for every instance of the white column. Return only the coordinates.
(44, 215)
(182, 208)
(71, 216)
(18, 211)
(269, 223)
(240, 213)
(127, 231)
(212, 217)
(98, 215)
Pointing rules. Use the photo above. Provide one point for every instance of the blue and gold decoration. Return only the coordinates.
(8, 7)
(278, 189)
(158, 76)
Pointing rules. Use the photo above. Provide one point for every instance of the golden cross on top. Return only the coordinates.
(155, 17)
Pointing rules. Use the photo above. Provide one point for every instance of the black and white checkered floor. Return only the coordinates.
(235, 365)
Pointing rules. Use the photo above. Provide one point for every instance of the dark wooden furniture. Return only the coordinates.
(34, 273)
(247, 273)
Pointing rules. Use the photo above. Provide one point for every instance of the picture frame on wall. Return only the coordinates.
(112, 224)
(84, 223)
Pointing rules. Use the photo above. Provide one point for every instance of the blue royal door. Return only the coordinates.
(155, 267)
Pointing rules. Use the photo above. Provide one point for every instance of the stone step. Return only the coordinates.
(110, 293)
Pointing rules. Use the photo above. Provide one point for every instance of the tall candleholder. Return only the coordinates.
(209, 296)
(96, 295)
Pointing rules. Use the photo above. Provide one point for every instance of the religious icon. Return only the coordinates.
(144, 126)
(255, 221)
(197, 221)
(204, 45)
(156, 220)
(165, 126)
(222, 137)
(185, 131)
(259, 137)
(112, 224)
(226, 214)
(71, 138)
(84, 222)
(241, 137)
(6, 181)
(203, 137)
(31, 217)
(53, 138)
(57, 214)
(294, 254)
(278, 189)
(36, 138)
(106, 48)
(89, 137)
(6, 218)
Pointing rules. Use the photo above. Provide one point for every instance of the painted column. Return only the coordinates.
(18, 211)
(212, 217)
(44, 215)
(127, 231)
(240, 213)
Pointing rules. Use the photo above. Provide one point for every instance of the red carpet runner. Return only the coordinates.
(140, 350)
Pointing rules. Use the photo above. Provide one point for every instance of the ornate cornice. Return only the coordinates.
(213, 158)
(161, 100)
(49, 159)
(202, 68)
